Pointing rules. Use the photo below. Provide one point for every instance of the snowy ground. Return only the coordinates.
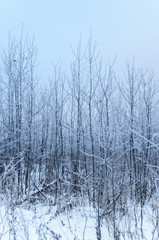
(40, 222)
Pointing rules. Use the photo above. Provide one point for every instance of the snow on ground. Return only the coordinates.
(42, 222)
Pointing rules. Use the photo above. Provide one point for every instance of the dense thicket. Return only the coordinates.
(90, 134)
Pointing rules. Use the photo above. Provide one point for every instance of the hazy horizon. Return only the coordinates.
(128, 29)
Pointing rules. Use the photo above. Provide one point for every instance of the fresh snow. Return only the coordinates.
(40, 222)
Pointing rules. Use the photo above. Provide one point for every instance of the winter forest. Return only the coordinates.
(86, 142)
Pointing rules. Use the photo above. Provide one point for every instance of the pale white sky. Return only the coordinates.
(128, 28)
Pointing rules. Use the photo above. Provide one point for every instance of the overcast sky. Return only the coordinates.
(128, 28)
